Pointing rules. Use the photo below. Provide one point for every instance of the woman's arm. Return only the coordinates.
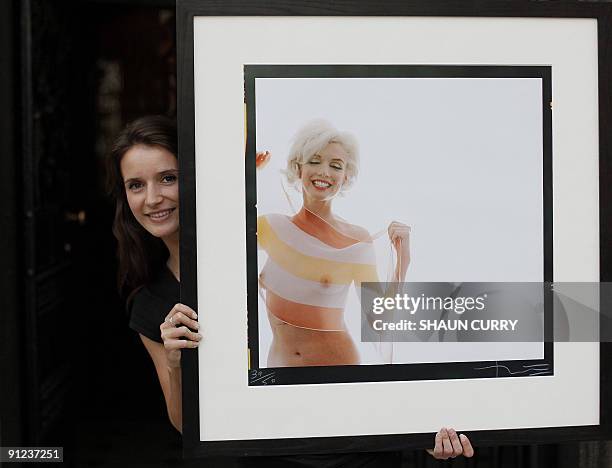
(177, 333)
(169, 379)
(399, 235)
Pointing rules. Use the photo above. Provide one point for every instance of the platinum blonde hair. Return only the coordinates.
(314, 137)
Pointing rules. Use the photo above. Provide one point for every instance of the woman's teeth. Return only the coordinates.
(321, 184)
(160, 214)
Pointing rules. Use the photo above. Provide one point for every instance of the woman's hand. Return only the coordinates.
(399, 234)
(451, 445)
(177, 333)
(262, 159)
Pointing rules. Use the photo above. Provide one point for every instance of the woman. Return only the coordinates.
(315, 256)
(143, 178)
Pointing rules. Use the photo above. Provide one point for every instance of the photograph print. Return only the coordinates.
(368, 179)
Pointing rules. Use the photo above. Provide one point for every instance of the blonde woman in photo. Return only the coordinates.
(314, 256)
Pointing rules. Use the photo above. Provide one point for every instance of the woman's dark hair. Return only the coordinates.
(140, 254)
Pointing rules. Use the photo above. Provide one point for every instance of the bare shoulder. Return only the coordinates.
(354, 231)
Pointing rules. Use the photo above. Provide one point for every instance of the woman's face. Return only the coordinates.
(325, 172)
(150, 177)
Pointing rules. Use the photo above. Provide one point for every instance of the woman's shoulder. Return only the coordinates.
(269, 224)
(272, 217)
(142, 298)
(150, 304)
(163, 286)
(356, 232)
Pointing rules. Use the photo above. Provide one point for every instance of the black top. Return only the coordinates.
(152, 303)
(149, 308)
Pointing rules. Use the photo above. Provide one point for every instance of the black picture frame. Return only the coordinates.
(186, 10)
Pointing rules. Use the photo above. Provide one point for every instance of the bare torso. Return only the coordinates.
(325, 341)
(295, 347)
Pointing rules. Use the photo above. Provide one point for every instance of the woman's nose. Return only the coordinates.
(154, 195)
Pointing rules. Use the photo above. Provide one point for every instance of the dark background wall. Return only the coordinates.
(10, 332)
(71, 372)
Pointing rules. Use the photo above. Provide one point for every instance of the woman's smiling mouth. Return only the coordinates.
(321, 184)
(160, 215)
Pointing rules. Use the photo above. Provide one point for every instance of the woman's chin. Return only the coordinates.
(321, 195)
(162, 231)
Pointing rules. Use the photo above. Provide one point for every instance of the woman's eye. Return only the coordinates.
(135, 186)
(169, 178)
(337, 166)
(314, 161)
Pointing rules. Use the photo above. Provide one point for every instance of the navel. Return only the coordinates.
(325, 281)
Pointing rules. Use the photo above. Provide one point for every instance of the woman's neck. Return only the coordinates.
(322, 209)
(173, 262)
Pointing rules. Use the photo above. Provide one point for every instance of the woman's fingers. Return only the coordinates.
(180, 318)
(446, 444)
(397, 229)
(178, 307)
(399, 234)
(173, 338)
(262, 158)
(172, 319)
(450, 445)
(179, 344)
(181, 332)
(188, 311)
(438, 451)
(177, 330)
(468, 450)
(456, 444)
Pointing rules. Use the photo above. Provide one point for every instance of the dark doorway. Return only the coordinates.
(86, 69)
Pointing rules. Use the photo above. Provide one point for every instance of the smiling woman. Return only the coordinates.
(143, 179)
(315, 256)
(151, 182)
(142, 173)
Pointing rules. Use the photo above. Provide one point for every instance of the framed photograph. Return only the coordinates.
(458, 145)
(405, 171)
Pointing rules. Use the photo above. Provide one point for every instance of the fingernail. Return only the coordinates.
(195, 316)
(197, 326)
(199, 336)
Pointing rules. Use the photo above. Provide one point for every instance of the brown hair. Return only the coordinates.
(140, 254)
